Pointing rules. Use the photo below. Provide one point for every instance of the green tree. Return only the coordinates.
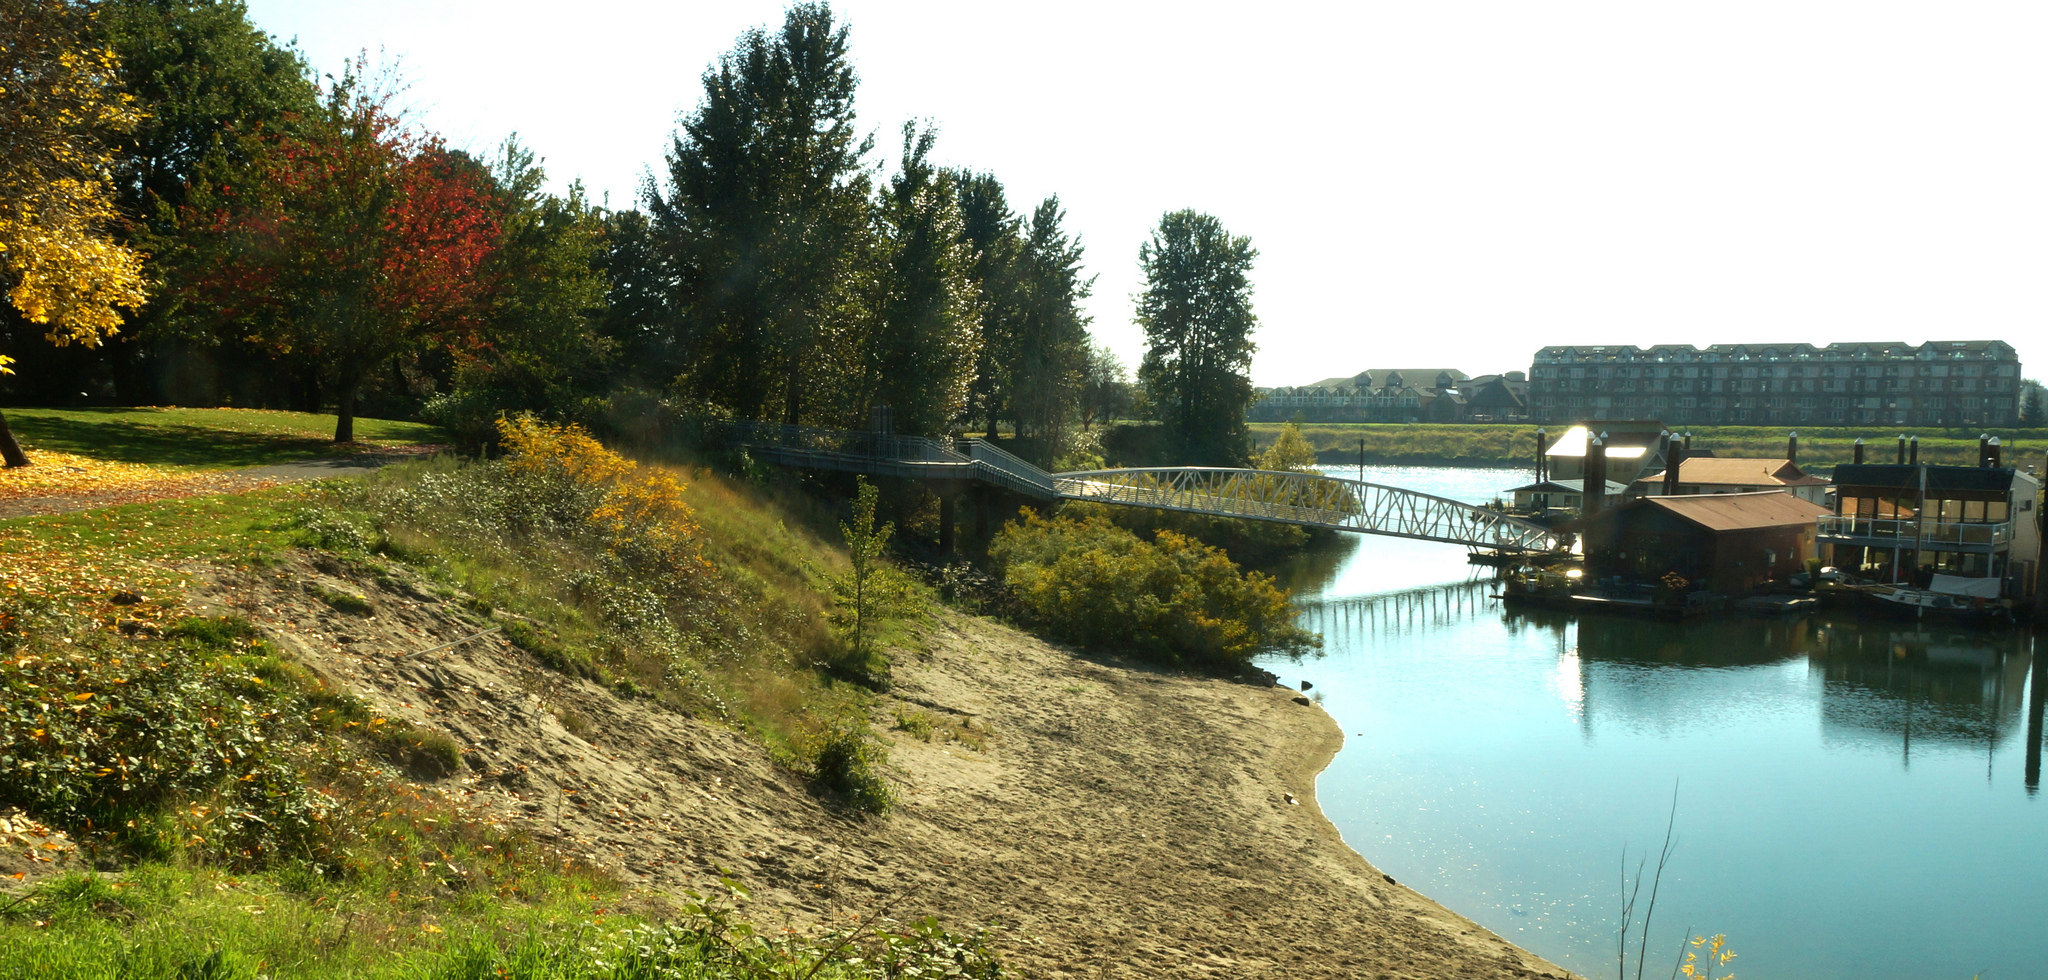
(2033, 405)
(995, 235)
(765, 218)
(546, 345)
(1105, 387)
(921, 360)
(1034, 334)
(1051, 345)
(201, 73)
(637, 313)
(205, 81)
(1196, 311)
(865, 542)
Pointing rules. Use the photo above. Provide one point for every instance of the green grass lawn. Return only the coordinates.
(202, 438)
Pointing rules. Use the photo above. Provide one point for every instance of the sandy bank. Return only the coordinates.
(1135, 823)
(1099, 818)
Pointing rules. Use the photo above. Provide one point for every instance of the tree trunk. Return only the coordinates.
(10, 451)
(792, 391)
(345, 414)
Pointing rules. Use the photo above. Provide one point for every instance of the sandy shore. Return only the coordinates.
(1130, 822)
(1097, 817)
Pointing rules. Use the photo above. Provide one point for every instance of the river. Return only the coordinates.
(1853, 799)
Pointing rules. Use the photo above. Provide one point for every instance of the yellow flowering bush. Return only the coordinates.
(640, 514)
(1091, 582)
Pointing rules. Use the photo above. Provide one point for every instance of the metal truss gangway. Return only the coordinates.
(1306, 499)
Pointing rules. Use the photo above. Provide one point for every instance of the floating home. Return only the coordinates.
(1729, 543)
(1905, 522)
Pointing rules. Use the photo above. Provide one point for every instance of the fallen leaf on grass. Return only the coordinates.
(65, 473)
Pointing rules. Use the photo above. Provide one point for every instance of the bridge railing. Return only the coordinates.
(1299, 498)
(1000, 467)
(1304, 498)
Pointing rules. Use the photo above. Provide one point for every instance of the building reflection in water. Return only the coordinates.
(1908, 684)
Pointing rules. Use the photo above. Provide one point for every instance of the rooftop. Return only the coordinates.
(1723, 353)
(1741, 511)
(1377, 378)
(1906, 476)
(1576, 486)
(1735, 471)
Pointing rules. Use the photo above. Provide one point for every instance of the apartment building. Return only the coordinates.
(1939, 383)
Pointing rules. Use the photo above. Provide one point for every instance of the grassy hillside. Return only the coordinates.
(240, 816)
(1820, 448)
(201, 438)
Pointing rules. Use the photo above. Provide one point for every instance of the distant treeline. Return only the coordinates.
(1820, 449)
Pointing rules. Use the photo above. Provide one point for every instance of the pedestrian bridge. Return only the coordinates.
(1306, 499)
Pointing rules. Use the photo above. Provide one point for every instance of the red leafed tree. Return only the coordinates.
(350, 243)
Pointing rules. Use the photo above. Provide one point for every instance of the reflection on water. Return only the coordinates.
(1857, 799)
(1363, 618)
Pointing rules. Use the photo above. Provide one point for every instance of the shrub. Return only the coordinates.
(192, 741)
(1091, 582)
(640, 514)
(848, 763)
(1254, 543)
(422, 752)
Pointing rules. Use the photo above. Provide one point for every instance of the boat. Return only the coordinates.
(1777, 605)
(1909, 603)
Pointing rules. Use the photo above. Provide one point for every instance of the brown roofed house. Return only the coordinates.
(1730, 542)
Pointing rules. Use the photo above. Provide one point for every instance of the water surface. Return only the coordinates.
(1854, 799)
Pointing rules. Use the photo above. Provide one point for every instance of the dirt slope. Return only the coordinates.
(1101, 818)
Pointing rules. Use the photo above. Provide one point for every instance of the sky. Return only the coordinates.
(1449, 183)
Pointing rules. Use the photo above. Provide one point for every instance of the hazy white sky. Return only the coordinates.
(1428, 183)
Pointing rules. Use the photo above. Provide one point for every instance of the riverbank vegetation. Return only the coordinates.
(241, 815)
(1821, 449)
(1089, 581)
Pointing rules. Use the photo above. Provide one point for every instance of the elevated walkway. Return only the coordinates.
(1306, 499)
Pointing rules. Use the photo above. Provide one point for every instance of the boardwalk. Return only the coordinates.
(1307, 499)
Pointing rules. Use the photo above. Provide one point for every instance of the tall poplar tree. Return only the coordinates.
(1051, 342)
(921, 360)
(1034, 334)
(995, 235)
(765, 216)
(1197, 314)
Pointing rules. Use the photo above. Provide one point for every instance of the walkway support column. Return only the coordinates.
(946, 508)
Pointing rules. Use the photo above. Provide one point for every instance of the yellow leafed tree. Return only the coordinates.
(58, 95)
(1290, 452)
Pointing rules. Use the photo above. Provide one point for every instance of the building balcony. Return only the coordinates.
(1925, 535)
